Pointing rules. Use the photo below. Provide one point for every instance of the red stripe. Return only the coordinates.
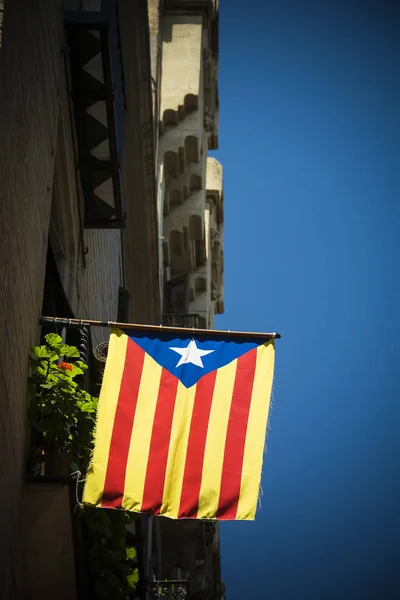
(236, 436)
(123, 423)
(196, 446)
(159, 444)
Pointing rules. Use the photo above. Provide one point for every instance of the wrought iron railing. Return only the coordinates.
(170, 590)
(209, 531)
(187, 320)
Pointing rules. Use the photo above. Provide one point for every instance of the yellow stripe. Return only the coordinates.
(141, 435)
(256, 431)
(177, 450)
(105, 416)
(215, 443)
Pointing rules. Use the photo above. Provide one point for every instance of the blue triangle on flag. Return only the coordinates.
(190, 357)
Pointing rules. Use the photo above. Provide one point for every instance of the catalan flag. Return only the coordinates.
(181, 424)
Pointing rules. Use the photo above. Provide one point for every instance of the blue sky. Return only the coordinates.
(310, 143)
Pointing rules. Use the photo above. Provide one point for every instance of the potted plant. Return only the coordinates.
(61, 412)
(62, 419)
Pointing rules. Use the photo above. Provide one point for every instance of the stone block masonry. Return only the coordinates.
(32, 38)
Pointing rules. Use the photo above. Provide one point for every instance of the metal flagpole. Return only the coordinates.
(158, 328)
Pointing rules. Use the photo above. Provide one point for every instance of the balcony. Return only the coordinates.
(97, 96)
(170, 590)
(187, 321)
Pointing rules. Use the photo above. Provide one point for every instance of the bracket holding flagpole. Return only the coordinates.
(156, 328)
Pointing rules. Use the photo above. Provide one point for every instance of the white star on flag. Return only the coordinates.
(191, 355)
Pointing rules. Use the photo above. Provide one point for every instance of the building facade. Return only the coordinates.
(184, 59)
(190, 200)
(110, 209)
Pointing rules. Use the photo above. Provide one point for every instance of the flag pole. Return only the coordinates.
(156, 328)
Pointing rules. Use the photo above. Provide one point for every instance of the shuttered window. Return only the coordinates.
(176, 296)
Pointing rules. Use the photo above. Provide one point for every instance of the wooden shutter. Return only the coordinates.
(176, 297)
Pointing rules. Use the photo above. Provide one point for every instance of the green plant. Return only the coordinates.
(112, 570)
(61, 413)
(62, 417)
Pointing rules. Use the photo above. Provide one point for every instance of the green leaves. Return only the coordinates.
(62, 415)
(55, 346)
(130, 552)
(57, 401)
(42, 369)
(47, 386)
(111, 566)
(41, 352)
(69, 351)
(81, 365)
(53, 340)
(75, 370)
(88, 407)
(133, 578)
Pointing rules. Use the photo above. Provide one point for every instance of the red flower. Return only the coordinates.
(66, 366)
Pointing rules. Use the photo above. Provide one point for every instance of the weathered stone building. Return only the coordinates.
(184, 55)
(109, 209)
(190, 201)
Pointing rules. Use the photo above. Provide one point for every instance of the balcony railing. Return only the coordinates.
(170, 590)
(188, 320)
(209, 531)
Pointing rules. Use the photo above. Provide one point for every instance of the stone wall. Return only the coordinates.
(89, 261)
(39, 194)
(49, 542)
(29, 85)
(138, 167)
(191, 217)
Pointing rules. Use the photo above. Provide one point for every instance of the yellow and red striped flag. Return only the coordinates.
(181, 424)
